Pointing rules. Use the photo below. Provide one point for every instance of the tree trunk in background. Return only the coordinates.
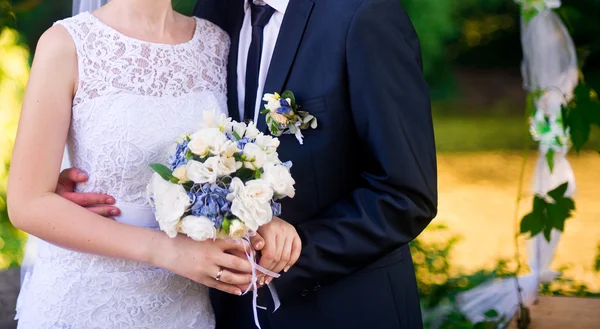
(9, 289)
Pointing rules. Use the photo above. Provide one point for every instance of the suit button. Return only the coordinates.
(304, 293)
(317, 287)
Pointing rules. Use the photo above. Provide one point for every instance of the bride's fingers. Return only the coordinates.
(235, 278)
(224, 287)
(234, 263)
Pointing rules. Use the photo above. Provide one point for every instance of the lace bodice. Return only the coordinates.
(134, 98)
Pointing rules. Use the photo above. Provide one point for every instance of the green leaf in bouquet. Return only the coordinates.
(189, 155)
(225, 225)
(236, 135)
(288, 94)
(164, 172)
(244, 174)
(257, 174)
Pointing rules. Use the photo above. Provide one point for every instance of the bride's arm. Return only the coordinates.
(35, 208)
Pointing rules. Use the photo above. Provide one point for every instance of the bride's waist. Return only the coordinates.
(136, 215)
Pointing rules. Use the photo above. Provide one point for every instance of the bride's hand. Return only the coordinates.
(202, 262)
(279, 245)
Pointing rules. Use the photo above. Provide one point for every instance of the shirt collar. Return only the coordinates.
(278, 5)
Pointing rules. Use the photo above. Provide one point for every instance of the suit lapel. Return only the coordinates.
(290, 35)
(236, 17)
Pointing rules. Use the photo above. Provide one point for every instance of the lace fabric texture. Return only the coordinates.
(134, 99)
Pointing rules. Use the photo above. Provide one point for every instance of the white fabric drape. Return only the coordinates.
(549, 64)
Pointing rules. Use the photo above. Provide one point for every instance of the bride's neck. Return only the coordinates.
(153, 14)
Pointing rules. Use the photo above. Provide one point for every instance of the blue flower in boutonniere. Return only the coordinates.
(283, 115)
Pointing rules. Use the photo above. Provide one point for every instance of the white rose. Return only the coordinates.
(255, 157)
(252, 131)
(251, 202)
(225, 166)
(230, 148)
(170, 202)
(207, 140)
(221, 121)
(198, 228)
(273, 158)
(280, 179)
(181, 174)
(267, 143)
(237, 229)
(201, 173)
(239, 128)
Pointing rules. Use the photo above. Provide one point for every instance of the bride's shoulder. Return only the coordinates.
(56, 40)
(210, 29)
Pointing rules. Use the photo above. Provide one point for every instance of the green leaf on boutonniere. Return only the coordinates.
(164, 172)
(288, 94)
(265, 111)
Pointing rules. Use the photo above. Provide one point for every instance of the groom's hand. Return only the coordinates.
(100, 204)
(279, 245)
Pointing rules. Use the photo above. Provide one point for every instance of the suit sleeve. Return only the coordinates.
(391, 111)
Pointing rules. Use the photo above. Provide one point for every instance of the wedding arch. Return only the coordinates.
(561, 108)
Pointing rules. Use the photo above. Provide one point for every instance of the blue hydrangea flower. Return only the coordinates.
(210, 200)
(178, 158)
(276, 206)
(242, 142)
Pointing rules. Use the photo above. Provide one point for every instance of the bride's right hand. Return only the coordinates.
(202, 262)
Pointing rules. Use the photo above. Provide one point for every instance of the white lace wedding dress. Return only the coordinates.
(134, 99)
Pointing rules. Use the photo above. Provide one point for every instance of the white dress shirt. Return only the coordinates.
(271, 32)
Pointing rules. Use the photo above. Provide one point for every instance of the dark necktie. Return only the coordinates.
(260, 17)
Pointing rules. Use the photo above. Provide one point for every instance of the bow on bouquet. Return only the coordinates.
(222, 181)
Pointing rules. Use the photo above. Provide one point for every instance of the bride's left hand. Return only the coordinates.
(280, 247)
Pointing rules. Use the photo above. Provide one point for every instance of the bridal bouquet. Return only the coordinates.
(222, 181)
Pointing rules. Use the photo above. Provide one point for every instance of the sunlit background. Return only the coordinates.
(472, 54)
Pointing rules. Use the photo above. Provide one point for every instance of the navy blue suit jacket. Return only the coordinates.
(366, 182)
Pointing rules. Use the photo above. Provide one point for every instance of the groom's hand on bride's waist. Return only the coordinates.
(100, 204)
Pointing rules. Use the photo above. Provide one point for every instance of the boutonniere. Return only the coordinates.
(283, 115)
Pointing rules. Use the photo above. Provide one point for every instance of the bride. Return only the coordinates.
(119, 85)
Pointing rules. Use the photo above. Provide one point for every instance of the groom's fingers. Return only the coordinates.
(72, 175)
(285, 253)
(257, 242)
(88, 199)
(295, 254)
(105, 211)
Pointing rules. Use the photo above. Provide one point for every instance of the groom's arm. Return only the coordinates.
(391, 110)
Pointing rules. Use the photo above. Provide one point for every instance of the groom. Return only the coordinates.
(365, 178)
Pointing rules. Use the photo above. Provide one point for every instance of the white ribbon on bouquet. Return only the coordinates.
(253, 285)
